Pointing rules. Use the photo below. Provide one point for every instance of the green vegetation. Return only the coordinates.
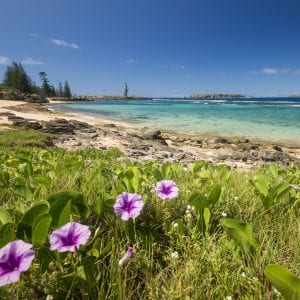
(17, 80)
(16, 77)
(218, 238)
(212, 96)
(24, 138)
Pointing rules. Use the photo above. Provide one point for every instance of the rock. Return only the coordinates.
(30, 124)
(14, 118)
(221, 140)
(58, 126)
(81, 125)
(110, 125)
(223, 157)
(150, 134)
(35, 98)
(7, 114)
(277, 148)
(16, 96)
(274, 156)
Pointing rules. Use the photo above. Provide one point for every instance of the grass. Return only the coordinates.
(170, 261)
(18, 138)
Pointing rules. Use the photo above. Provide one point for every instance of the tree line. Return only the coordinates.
(16, 77)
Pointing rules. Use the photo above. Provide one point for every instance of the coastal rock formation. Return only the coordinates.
(153, 144)
(17, 96)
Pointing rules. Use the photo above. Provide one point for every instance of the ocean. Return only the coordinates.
(270, 119)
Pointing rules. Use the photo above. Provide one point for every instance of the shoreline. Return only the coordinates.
(138, 142)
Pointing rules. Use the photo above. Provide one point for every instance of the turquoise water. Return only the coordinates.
(273, 119)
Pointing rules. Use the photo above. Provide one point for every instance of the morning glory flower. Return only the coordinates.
(166, 189)
(15, 257)
(126, 257)
(128, 205)
(69, 237)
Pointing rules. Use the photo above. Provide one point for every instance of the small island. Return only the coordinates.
(216, 96)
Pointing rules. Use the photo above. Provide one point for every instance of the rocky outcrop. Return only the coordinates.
(152, 144)
(17, 96)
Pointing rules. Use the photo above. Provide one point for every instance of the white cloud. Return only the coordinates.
(270, 71)
(130, 61)
(31, 61)
(63, 43)
(34, 34)
(4, 60)
(276, 71)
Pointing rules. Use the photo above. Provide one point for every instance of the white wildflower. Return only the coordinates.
(228, 298)
(276, 292)
(224, 214)
(243, 274)
(188, 215)
(189, 207)
(185, 169)
(295, 186)
(174, 255)
(175, 225)
(236, 198)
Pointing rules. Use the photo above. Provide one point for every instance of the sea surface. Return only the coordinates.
(271, 119)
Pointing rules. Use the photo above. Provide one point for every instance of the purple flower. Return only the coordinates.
(69, 237)
(166, 189)
(128, 205)
(126, 257)
(15, 257)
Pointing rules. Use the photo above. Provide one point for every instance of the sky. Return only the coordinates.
(161, 48)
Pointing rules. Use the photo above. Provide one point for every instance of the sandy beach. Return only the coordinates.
(143, 143)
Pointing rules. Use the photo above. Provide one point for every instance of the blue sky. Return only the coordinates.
(160, 47)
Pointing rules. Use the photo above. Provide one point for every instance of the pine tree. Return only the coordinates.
(45, 87)
(16, 77)
(60, 91)
(126, 90)
(67, 90)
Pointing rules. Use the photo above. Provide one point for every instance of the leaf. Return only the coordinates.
(199, 201)
(132, 179)
(285, 281)
(24, 231)
(40, 229)
(206, 217)
(44, 257)
(242, 234)
(26, 169)
(4, 216)
(165, 170)
(262, 185)
(90, 270)
(36, 210)
(23, 191)
(7, 234)
(215, 194)
(42, 180)
(78, 205)
(282, 189)
(60, 212)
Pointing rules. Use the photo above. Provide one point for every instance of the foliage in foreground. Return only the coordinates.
(211, 242)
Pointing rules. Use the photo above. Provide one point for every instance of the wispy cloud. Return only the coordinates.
(34, 34)
(277, 71)
(4, 60)
(273, 71)
(63, 43)
(130, 61)
(30, 61)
